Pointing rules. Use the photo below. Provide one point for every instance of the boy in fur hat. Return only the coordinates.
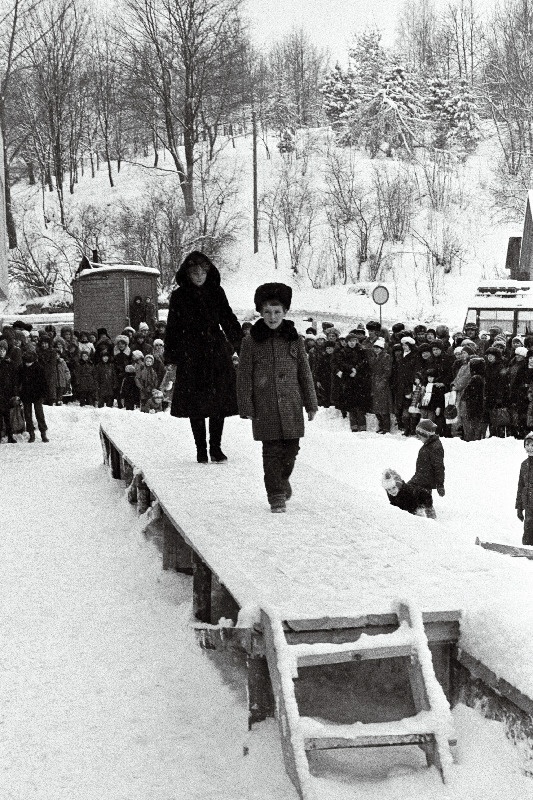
(413, 499)
(129, 391)
(274, 380)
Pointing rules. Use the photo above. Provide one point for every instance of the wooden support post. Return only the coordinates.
(115, 462)
(105, 447)
(128, 473)
(143, 495)
(176, 552)
(201, 589)
(261, 703)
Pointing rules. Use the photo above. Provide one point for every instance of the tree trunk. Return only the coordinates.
(10, 221)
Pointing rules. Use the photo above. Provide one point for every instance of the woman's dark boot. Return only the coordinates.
(216, 426)
(199, 433)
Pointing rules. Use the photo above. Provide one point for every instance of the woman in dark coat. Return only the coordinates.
(201, 334)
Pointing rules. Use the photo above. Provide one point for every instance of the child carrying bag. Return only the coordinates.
(16, 416)
(450, 409)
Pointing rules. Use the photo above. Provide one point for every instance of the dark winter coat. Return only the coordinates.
(137, 312)
(354, 389)
(380, 371)
(524, 492)
(32, 382)
(473, 398)
(106, 380)
(8, 382)
(410, 498)
(443, 366)
(198, 318)
(323, 378)
(146, 379)
(429, 470)
(275, 381)
(85, 378)
(129, 391)
(404, 378)
(47, 356)
(121, 359)
(496, 385)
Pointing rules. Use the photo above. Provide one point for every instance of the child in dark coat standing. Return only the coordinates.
(32, 391)
(524, 492)
(274, 381)
(429, 470)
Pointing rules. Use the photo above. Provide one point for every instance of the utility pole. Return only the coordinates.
(254, 161)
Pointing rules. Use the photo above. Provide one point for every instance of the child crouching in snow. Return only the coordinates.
(409, 498)
(273, 382)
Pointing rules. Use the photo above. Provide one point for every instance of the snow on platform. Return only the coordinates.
(334, 553)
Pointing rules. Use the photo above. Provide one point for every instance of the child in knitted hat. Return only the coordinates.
(429, 470)
(412, 499)
(155, 403)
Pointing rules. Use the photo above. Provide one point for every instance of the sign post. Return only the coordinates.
(380, 296)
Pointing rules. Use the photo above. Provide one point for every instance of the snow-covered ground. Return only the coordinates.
(103, 690)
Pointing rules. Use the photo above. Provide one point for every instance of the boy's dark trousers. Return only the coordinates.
(279, 456)
(527, 538)
(86, 398)
(39, 414)
(108, 401)
(5, 421)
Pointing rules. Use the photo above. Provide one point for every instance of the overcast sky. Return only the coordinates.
(329, 23)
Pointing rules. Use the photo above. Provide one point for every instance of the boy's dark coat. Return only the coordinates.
(32, 382)
(8, 382)
(429, 471)
(195, 343)
(275, 381)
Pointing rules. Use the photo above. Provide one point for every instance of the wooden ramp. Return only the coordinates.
(431, 728)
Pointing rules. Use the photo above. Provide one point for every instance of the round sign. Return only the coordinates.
(380, 295)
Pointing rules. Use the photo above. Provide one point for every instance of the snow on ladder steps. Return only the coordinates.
(382, 645)
(423, 723)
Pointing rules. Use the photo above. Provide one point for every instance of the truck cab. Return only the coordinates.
(507, 303)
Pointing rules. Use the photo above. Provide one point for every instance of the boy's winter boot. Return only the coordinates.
(32, 437)
(216, 426)
(288, 490)
(277, 504)
(44, 437)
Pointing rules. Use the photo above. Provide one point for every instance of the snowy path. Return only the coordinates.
(103, 691)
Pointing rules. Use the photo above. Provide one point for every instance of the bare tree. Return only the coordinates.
(177, 47)
(394, 196)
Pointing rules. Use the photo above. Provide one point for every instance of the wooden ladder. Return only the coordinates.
(431, 728)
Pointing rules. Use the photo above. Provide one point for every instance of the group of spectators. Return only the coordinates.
(403, 374)
(47, 367)
(485, 378)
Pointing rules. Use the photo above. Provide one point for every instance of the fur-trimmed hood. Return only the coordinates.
(260, 331)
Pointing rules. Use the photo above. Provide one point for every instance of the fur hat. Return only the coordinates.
(159, 343)
(28, 356)
(425, 347)
(157, 393)
(373, 325)
(426, 427)
(279, 292)
(493, 351)
(521, 351)
(379, 343)
(420, 329)
(137, 355)
(128, 328)
(438, 344)
(4, 345)
(469, 347)
(457, 351)
(397, 327)
(391, 480)
(143, 326)
(122, 338)
(442, 331)
(333, 330)
(408, 340)
(130, 369)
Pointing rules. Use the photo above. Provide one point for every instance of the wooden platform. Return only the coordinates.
(314, 565)
(515, 551)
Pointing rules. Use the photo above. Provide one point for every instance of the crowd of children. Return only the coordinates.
(47, 367)
(470, 384)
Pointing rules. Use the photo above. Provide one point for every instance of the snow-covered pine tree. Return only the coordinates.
(465, 133)
(394, 116)
(337, 93)
(368, 63)
(440, 110)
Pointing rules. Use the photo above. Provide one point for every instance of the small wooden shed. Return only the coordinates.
(104, 295)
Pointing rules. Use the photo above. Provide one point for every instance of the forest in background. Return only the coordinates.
(364, 158)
